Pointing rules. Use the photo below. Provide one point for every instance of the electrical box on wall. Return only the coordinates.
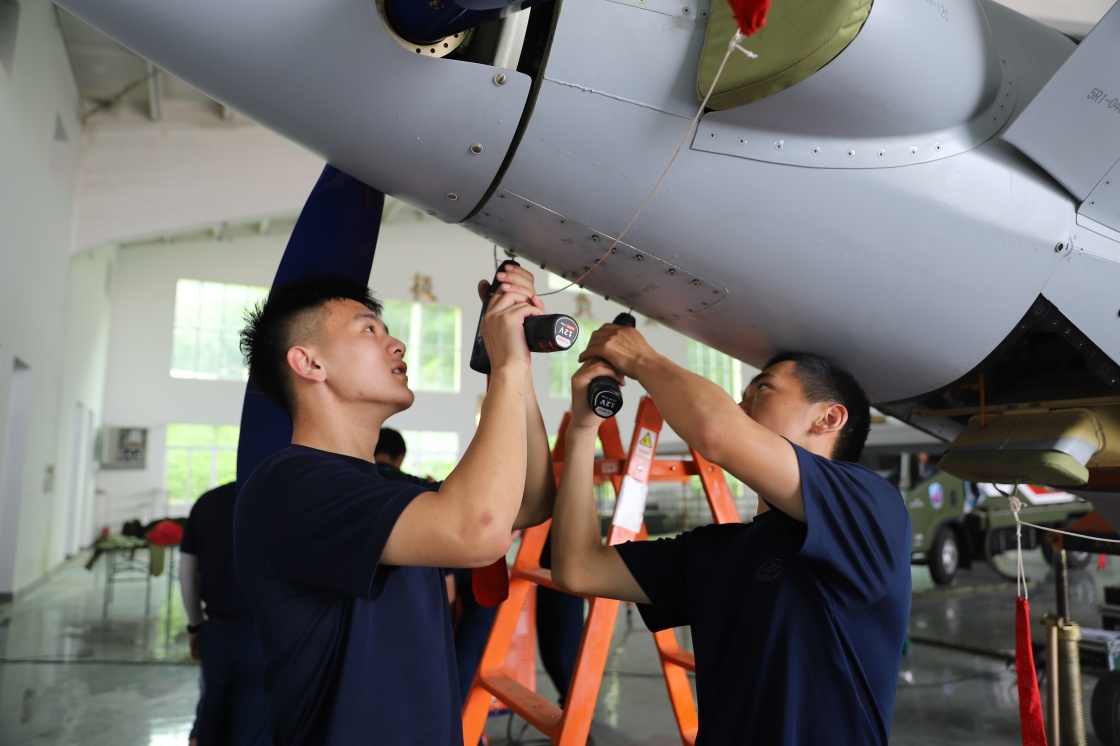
(123, 447)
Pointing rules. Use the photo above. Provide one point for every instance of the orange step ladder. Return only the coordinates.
(630, 475)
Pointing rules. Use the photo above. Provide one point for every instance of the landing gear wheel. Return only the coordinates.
(1074, 560)
(1104, 709)
(993, 548)
(1078, 560)
(944, 556)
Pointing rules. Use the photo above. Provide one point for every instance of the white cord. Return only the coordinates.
(1015, 504)
(731, 46)
(1072, 533)
(1020, 576)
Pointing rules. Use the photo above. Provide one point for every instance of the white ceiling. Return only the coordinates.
(111, 78)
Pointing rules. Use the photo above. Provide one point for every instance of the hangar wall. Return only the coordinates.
(48, 345)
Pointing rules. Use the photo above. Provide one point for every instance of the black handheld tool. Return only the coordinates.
(604, 394)
(550, 333)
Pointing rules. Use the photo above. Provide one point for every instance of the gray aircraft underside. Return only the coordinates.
(901, 209)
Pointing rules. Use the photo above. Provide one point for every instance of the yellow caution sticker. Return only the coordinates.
(643, 451)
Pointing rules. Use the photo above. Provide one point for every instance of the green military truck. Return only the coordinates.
(956, 523)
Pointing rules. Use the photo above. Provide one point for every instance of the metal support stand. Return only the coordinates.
(1065, 712)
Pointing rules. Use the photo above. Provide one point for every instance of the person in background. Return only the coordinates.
(560, 620)
(232, 708)
(390, 452)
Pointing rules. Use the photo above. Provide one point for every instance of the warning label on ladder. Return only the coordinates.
(631, 504)
(644, 449)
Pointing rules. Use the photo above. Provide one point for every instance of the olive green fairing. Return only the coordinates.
(799, 38)
(1050, 445)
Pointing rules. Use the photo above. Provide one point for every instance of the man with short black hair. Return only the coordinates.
(798, 618)
(339, 560)
(390, 449)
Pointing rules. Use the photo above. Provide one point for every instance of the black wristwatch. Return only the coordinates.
(193, 628)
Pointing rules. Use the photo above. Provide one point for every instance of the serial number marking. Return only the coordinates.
(1101, 97)
(940, 9)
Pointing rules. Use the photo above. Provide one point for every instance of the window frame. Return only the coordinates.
(219, 449)
(196, 335)
(716, 366)
(419, 349)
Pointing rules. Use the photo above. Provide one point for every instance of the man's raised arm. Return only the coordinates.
(706, 418)
(469, 522)
(580, 562)
(540, 482)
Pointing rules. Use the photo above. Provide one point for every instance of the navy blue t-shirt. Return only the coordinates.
(355, 651)
(209, 536)
(798, 627)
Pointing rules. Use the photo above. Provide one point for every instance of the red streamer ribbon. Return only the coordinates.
(750, 14)
(1030, 704)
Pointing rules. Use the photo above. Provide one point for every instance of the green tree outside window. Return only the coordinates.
(205, 339)
(723, 370)
(431, 336)
(199, 458)
(431, 453)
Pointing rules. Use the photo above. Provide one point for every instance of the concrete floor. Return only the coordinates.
(69, 675)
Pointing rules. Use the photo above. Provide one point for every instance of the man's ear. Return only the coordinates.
(302, 362)
(832, 419)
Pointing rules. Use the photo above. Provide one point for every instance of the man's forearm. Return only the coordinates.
(189, 587)
(712, 422)
(580, 562)
(490, 478)
(576, 539)
(540, 483)
(698, 410)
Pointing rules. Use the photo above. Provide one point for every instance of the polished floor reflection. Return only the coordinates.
(74, 671)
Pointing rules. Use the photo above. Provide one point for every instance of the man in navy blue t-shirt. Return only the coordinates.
(339, 561)
(798, 618)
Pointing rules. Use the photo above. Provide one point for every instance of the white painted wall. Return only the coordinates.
(12, 476)
(80, 384)
(37, 176)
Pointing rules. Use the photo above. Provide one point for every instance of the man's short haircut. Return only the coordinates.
(824, 380)
(289, 316)
(391, 443)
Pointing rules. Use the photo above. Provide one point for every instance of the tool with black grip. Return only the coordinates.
(604, 394)
(550, 333)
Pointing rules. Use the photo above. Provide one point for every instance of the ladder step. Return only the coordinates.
(541, 576)
(535, 709)
(679, 657)
(538, 575)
